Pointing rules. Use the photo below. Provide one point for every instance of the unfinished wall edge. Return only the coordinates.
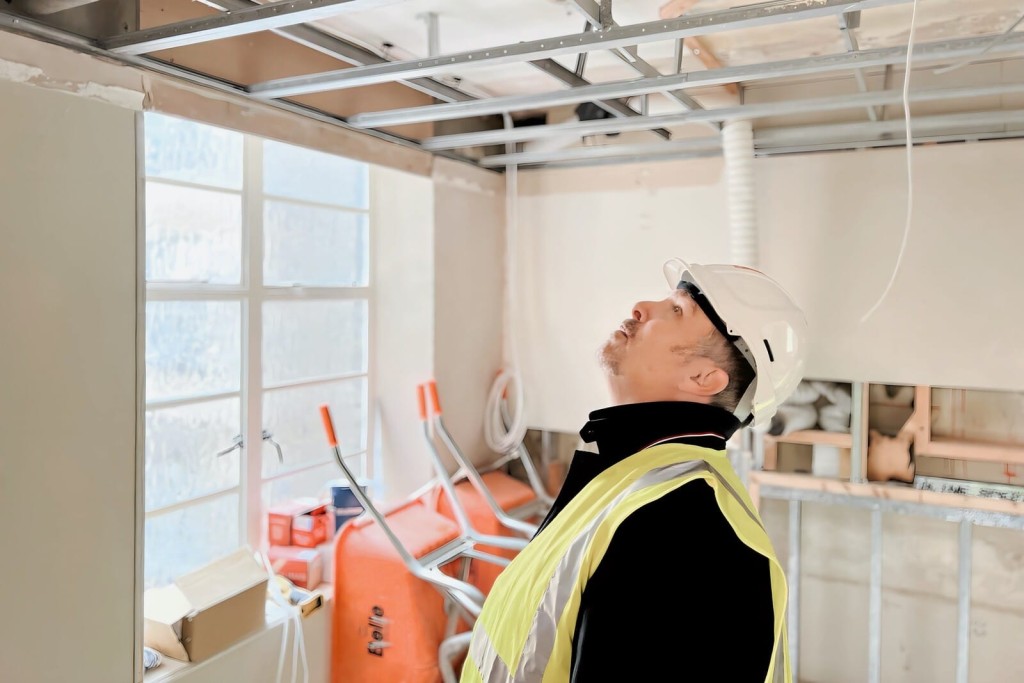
(41, 64)
(468, 176)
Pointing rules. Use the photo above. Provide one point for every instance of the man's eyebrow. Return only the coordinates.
(682, 296)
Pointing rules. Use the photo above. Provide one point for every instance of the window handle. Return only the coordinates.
(236, 444)
(269, 438)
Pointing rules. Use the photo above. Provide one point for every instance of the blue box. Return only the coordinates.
(346, 505)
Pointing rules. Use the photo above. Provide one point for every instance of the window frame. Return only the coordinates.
(251, 294)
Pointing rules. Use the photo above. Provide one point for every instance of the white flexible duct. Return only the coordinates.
(738, 149)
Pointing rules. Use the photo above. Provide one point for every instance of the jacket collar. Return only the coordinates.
(623, 430)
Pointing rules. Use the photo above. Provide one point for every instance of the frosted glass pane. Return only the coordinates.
(306, 339)
(184, 150)
(192, 348)
(314, 483)
(181, 451)
(314, 246)
(300, 173)
(193, 235)
(293, 416)
(181, 541)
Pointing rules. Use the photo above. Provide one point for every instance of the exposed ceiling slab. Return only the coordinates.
(442, 74)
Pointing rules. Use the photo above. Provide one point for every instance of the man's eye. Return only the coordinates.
(677, 310)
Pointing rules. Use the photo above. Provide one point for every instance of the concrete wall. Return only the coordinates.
(69, 398)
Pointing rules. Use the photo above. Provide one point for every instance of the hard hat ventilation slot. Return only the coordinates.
(771, 356)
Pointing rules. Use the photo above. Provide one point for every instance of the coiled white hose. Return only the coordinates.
(499, 438)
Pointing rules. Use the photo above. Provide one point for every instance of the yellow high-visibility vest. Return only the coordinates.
(525, 631)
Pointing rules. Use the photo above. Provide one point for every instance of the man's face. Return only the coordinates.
(653, 355)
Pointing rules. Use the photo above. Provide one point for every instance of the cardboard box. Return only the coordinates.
(208, 610)
(304, 522)
(302, 566)
(313, 528)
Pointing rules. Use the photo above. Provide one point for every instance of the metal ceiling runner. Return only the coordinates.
(287, 19)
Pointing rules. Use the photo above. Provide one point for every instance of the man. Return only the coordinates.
(653, 565)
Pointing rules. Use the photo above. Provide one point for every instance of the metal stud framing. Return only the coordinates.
(240, 17)
(966, 520)
(687, 26)
(939, 50)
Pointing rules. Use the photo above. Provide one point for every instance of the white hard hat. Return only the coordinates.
(757, 315)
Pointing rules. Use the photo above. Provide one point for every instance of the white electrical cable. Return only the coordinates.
(910, 167)
(293, 615)
(284, 644)
(499, 439)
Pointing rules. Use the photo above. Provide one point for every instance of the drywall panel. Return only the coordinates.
(403, 257)
(469, 224)
(68, 403)
(591, 243)
(831, 227)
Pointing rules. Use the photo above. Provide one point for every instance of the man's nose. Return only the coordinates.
(642, 311)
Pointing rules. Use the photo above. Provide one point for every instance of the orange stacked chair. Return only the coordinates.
(510, 494)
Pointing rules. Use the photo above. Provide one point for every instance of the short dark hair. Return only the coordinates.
(728, 357)
(722, 352)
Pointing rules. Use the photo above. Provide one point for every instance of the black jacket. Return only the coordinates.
(677, 596)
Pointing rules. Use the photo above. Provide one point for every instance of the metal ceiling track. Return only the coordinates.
(687, 26)
(923, 52)
(721, 115)
(987, 125)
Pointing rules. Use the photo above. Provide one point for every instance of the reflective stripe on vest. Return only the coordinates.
(532, 660)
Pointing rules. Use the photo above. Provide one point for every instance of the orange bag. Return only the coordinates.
(387, 623)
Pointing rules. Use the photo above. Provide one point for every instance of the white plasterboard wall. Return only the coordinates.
(592, 242)
(469, 206)
(831, 227)
(403, 241)
(68, 406)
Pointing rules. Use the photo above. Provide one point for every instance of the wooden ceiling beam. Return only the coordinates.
(677, 8)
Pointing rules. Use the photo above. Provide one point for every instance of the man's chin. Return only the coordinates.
(609, 359)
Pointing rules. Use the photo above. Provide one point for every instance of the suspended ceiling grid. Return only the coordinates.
(811, 74)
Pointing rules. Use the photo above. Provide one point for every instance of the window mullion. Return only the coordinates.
(252, 270)
(369, 465)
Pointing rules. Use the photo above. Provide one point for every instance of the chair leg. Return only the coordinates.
(449, 650)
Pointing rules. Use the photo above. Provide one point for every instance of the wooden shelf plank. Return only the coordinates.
(811, 437)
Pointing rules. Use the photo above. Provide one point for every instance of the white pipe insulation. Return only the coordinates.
(738, 150)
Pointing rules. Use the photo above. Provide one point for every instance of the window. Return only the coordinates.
(258, 310)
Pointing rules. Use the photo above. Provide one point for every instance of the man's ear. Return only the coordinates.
(705, 379)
